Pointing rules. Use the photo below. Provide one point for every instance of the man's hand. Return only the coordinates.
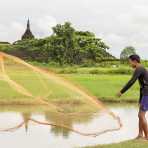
(119, 94)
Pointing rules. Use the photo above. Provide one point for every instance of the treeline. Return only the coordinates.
(65, 46)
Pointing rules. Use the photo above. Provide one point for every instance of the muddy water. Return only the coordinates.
(22, 133)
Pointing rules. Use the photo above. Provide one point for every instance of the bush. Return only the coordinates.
(67, 71)
(96, 71)
(120, 70)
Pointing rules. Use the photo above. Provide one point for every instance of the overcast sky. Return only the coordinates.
(119, 23)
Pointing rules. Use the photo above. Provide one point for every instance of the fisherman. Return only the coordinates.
(140, 74)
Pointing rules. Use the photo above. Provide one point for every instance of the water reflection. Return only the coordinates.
(20, 120)
(64, 124)
(26, 117)
(65, 120)
(68, 121)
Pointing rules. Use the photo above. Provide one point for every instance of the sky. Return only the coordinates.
(119, 23)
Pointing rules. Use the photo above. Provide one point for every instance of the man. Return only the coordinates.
(141, 74)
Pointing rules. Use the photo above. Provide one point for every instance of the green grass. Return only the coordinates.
(105, 87)
(92, 70)
(126, 144)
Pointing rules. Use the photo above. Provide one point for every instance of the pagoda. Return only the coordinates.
(28, 34)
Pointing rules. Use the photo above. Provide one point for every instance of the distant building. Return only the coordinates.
(28, 34)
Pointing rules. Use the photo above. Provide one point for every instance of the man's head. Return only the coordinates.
(134, 60)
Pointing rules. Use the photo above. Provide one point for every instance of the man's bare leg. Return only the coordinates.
(140, 134)
(140, 129)
(143, 123)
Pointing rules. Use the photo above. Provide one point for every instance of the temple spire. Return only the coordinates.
(28, 24)
(28, 34)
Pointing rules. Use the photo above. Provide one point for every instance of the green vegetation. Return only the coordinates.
(127, 51)
(103, 83)
(103, 79)
(105, 87)
(127, 144)
(65, 46)
(93, 70)
(104, 67)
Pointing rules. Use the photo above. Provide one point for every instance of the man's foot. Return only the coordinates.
(145, 139)
(139, 137)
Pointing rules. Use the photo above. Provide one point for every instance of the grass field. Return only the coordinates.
(127, 144)
(105, 87)
(103, 82)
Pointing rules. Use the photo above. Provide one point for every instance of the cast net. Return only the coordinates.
(23, 83)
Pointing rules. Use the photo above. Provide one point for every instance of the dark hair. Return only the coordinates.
(135, 57)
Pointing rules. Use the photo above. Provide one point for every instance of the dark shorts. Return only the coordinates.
(144, 104)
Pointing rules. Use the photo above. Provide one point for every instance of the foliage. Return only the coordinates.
(65, 46)
(127, 51)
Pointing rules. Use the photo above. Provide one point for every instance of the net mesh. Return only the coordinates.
(66, 101)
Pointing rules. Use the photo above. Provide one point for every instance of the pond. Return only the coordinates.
(19, 132)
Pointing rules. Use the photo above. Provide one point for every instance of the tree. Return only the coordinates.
(65, 46)
(91, 48)
(127, 51)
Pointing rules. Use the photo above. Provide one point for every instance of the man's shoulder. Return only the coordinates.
(140, 69)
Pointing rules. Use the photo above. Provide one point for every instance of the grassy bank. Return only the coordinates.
(103, 83)
(126, 144)
(105, 87)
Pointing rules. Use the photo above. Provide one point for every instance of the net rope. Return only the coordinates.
(44, 98)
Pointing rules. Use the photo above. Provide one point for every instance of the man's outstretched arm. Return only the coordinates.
(135, 76)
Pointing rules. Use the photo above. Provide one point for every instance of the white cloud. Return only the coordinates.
(43, 26)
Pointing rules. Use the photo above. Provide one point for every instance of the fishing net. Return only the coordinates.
(21, 82)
